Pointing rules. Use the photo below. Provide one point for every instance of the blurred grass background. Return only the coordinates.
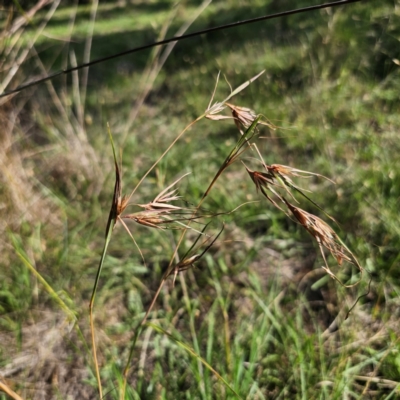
(257, 307)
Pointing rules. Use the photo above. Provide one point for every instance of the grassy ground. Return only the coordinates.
(257, 307)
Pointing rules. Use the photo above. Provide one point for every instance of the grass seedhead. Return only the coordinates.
(322, 232)
(119, 202)
(263, 181)
(159, 213)
(151, 219)
(163, 218)
(188, 261)
(183, 265)
(283, 174)
(284, 171)
(244, 117)
(325, 237)
(213, 112)
(161, 201)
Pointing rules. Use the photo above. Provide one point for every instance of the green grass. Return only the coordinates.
(257, 307)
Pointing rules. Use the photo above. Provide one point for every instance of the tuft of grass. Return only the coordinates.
(251, 301)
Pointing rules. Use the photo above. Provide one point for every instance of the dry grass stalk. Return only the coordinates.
(8, 391)
(118, 205)
(244, 118)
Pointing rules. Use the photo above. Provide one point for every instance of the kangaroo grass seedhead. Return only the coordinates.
(188, 261)
(316, 226)
(213, 112)
(278, 176)
(260, 179)
(152, 219)
(244, 117)
(325, 237)
(284, 171)
(162, 199)
(119, 202)
(263, 181)
(160, 214)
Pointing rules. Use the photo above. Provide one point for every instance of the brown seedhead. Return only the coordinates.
(159, 213)
(265, 180)
(161, 201)
(325, 237)
(261, 179)
(284, 171)
(244, 117)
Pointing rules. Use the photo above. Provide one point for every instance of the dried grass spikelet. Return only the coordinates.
(119, 202)
(213, 112)
(279, 176)
(183, 265)
(261, 179)
(285, 172)
(159, 212)
(265, 180)
(163, 198)
(152, 220)
(188, 261)
(325, 237)
(244, 117)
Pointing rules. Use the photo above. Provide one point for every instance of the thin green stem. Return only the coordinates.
(91, 304)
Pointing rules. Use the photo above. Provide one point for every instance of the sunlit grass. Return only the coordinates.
(257, 307)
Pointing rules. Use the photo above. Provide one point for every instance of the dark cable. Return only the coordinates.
(177, 38)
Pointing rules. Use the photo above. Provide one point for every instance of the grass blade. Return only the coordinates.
(243, 86)
(189, 350)
(70, 314)
(112, 219)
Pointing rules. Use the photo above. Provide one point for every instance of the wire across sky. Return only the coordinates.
(176, 39)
